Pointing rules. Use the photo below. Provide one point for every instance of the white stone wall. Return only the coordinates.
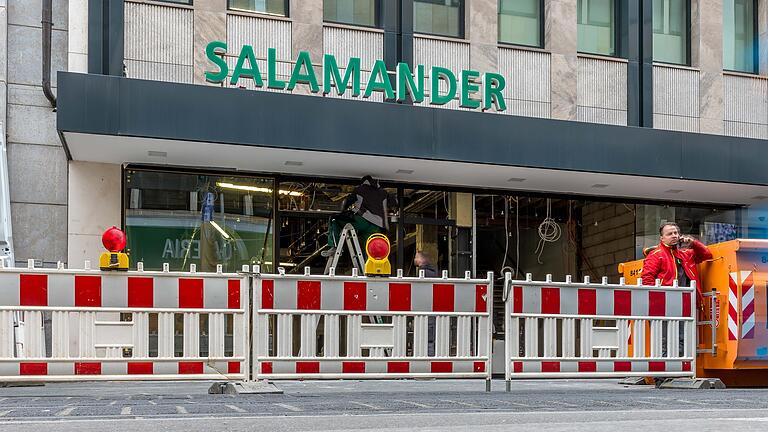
(602, 91)
(528, 91)
(676, 98)
(745, 106)
(37, 165)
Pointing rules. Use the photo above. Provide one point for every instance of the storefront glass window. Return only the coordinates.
(276, 7)
(439, 17)
(355, 12)
(670, 31)
(520, 22)
(597, 27)
(184, 219)
(739, 35)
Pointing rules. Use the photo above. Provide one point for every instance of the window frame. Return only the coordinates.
(542, 42)
(287, 4)
(176, 2)
(462, 23)
(377, 18)
(618, 10)
(755, 46)
(687, 39)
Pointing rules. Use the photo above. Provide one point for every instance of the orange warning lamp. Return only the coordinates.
(114, 241)
(377, 247)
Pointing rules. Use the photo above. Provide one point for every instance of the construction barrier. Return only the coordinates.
(69, 325)
(580, 330)
(361, 327)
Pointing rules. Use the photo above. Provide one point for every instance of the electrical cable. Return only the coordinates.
(549, 232)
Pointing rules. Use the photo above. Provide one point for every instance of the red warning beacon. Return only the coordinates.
(114, 241)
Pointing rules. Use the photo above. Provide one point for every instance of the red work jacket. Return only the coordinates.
(660, 264)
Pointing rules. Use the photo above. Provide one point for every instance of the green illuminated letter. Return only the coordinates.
(272, 81)
(303, 61)
(468, 86)
(249, 72)
(493, 85)
(436, 75)
(379, 81)
(406, 83)
(331, 75)
(210, 52)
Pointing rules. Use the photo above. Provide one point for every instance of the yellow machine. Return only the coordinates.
(377, 247)
(737, 352)
(114, 241)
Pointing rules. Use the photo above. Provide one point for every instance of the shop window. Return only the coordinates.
(597, 27)
(354, 12)
(671, 22)
(439, 17)
(739, 36)
(520, 22)
(184, 219)
(274, 7)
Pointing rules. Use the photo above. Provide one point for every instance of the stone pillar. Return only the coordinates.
(707, 55)
(3, 61)
(210, 25)
(762, 31)
(77, 55)
(560, 39)
(482, 32)
(307, 33)
(93, 206)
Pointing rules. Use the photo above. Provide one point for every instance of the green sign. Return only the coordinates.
(478, 90)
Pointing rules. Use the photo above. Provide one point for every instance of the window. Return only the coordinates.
(184, 219)
(739, 45)
(671, 20)
(520, 22)
(439, 17)
(596, 27)
(275, 7)
(355, 12)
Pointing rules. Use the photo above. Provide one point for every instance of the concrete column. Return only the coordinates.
(77, 51)
(560, 39)
(762, 31)
(707, 55)
(210, 25)
(93, 206)
(3, 61)
(482, 32)
(307, 33)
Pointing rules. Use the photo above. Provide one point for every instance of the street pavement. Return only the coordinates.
(404, 405)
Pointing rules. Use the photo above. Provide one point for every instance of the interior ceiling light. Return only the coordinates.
(516, 179)
(673, 191)
(155, 153)
(599, 186)
(221, 231)
(294, 163)
(404, 171)
(257, 189)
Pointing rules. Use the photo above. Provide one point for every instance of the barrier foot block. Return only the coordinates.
(691, 384)
(633, 381)
(244, 387)
(22, 384)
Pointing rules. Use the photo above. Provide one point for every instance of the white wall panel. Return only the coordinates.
(528, 88)
(344, 43)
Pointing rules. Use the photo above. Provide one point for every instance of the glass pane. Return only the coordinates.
(356, 12)
(184, 219)
(438, 17)
(739, 35)
(670, 31)
(520, 22)
(596, 27)
(276, 7)
(305, 220)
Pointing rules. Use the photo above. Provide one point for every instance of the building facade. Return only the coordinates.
(605, 118)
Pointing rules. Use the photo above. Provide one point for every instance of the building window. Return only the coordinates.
(520, 22)
(739, 44)
(183, 219)
(355, 12)
(439, 17)
(274, 7)
(671, 22)
(596, 27)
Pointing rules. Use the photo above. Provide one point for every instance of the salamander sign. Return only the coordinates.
(476, 89)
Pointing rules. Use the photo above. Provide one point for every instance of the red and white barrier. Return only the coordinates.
(371, 327)
(78, 324)
(563, 318)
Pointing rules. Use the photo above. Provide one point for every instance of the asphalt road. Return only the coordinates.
(588, 405)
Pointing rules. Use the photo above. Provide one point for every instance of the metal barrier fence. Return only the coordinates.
(68, 325)
(567, 329)
(360, 327)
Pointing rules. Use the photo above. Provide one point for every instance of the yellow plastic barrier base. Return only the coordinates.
(113, 261)
(378, 267)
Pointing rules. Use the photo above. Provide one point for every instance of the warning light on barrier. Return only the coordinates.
(377, 247)
(114, 241)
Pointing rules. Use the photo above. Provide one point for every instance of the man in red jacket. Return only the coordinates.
(668, 262)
